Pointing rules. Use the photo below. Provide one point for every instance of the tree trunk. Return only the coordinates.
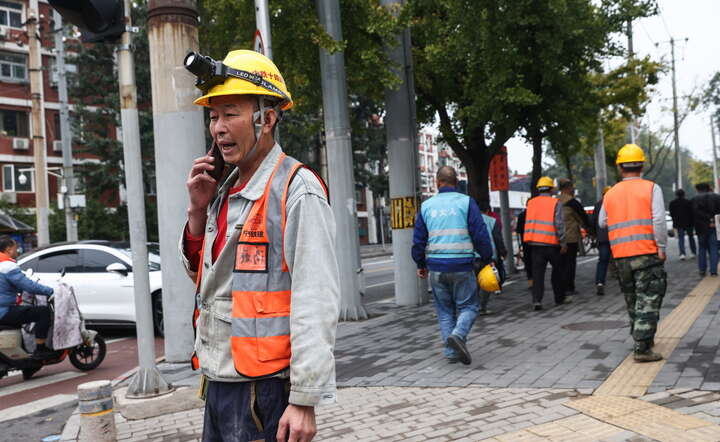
(537, 161)
(477, 166)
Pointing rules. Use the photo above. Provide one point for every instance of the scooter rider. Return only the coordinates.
(14, 281)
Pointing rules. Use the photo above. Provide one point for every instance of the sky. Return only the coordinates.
(697, 59)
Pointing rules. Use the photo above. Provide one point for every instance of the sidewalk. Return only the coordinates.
(559, 374)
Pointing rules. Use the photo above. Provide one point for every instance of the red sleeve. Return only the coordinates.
(192, 247)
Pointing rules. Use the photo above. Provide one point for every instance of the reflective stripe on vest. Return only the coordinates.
(445, 216)
(630, 223)
(540, 221)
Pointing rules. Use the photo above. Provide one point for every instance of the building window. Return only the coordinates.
(13, 67)
(11, 179)
(11, 14)
(14, 124)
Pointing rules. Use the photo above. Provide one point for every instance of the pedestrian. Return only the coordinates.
(499, 254)
(545, 233)
(449, 229)
(603, 246)
(633, 211)
(681, 213)
(705, 205)
(525, 248)
(260, 243)
(575, 218)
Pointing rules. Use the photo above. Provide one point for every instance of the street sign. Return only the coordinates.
(499, 179)
(403, 212)
(258, 45)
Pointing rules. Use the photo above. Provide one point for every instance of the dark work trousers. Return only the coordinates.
(541, 255)
(568, 264)
(527, 259)
(23, 314)
(244, 411)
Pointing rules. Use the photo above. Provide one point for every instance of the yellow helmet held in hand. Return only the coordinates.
(489, 279)
(545, 181)
(630, 153)
(245, 73)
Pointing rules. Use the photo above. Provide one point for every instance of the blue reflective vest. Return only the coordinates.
(446, 218)
(490, 225)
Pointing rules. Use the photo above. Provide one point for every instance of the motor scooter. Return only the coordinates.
(15, 354)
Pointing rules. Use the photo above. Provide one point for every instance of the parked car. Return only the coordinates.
(101, 274)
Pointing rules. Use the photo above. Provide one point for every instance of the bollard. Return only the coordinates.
(97, 420)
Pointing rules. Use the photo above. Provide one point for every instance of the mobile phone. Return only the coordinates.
(218, 162)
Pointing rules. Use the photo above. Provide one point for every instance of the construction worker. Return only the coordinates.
(449, 229)
(545, 233)
(633, 211)
(499, 254)
(705, 205)
(603, 246)
(260, 243)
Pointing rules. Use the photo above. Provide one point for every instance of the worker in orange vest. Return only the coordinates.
(545, 234)
(633, 211)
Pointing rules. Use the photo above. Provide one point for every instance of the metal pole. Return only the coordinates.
(600, 165)
(507, 228)
(676, 128)
(179, 139)
(71, 232)
(340, 164)
(262, 20)
(631, 54)
(147, 381)
(402, 148)
(714, 149)
(38, 126)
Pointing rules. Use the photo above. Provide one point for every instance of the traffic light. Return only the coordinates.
(100, 21)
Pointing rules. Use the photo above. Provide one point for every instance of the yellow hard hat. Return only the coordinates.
(489, 279)
(630, 153)
(545, 181)
(267, 79)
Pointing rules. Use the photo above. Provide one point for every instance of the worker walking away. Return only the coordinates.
(603, 246)
(575, 218)
(681, 212)
(545, 233)
(449, 229)
(499, 253)
(705, 205)
(633, 211)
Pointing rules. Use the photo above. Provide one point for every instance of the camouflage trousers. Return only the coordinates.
(643, 282)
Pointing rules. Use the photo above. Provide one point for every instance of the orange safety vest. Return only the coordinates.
(628, 205)
(261, 296)
(540, 221)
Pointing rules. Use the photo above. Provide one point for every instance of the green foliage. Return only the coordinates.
(700, 172)
(95, 91)
(711, 96)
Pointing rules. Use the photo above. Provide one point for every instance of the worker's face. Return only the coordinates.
(231, 126)
(12, 251)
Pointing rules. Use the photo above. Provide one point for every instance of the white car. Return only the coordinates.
(101, 274)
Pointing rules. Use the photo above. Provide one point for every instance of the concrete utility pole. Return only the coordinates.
(340, 164)
(38, 125)
(179, 134)
(71, 232)
(262, 20)
(402, 159)
(631, 54)
(716, 186)
(676, 125)
(147, 381)
(600, 164)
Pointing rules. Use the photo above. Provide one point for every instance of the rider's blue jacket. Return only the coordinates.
(14, 281)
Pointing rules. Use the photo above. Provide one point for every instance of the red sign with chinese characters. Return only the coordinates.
(499, 175)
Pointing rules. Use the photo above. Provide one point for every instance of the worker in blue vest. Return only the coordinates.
(499, 254)
(449, 229)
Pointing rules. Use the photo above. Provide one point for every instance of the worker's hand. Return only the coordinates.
(201, 186)
(422, 273)
(297, 424)
(563, 250)
(662, 255)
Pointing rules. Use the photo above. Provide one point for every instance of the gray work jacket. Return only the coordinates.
(309, 248)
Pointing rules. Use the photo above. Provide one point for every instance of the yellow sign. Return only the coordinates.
(403, 212)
